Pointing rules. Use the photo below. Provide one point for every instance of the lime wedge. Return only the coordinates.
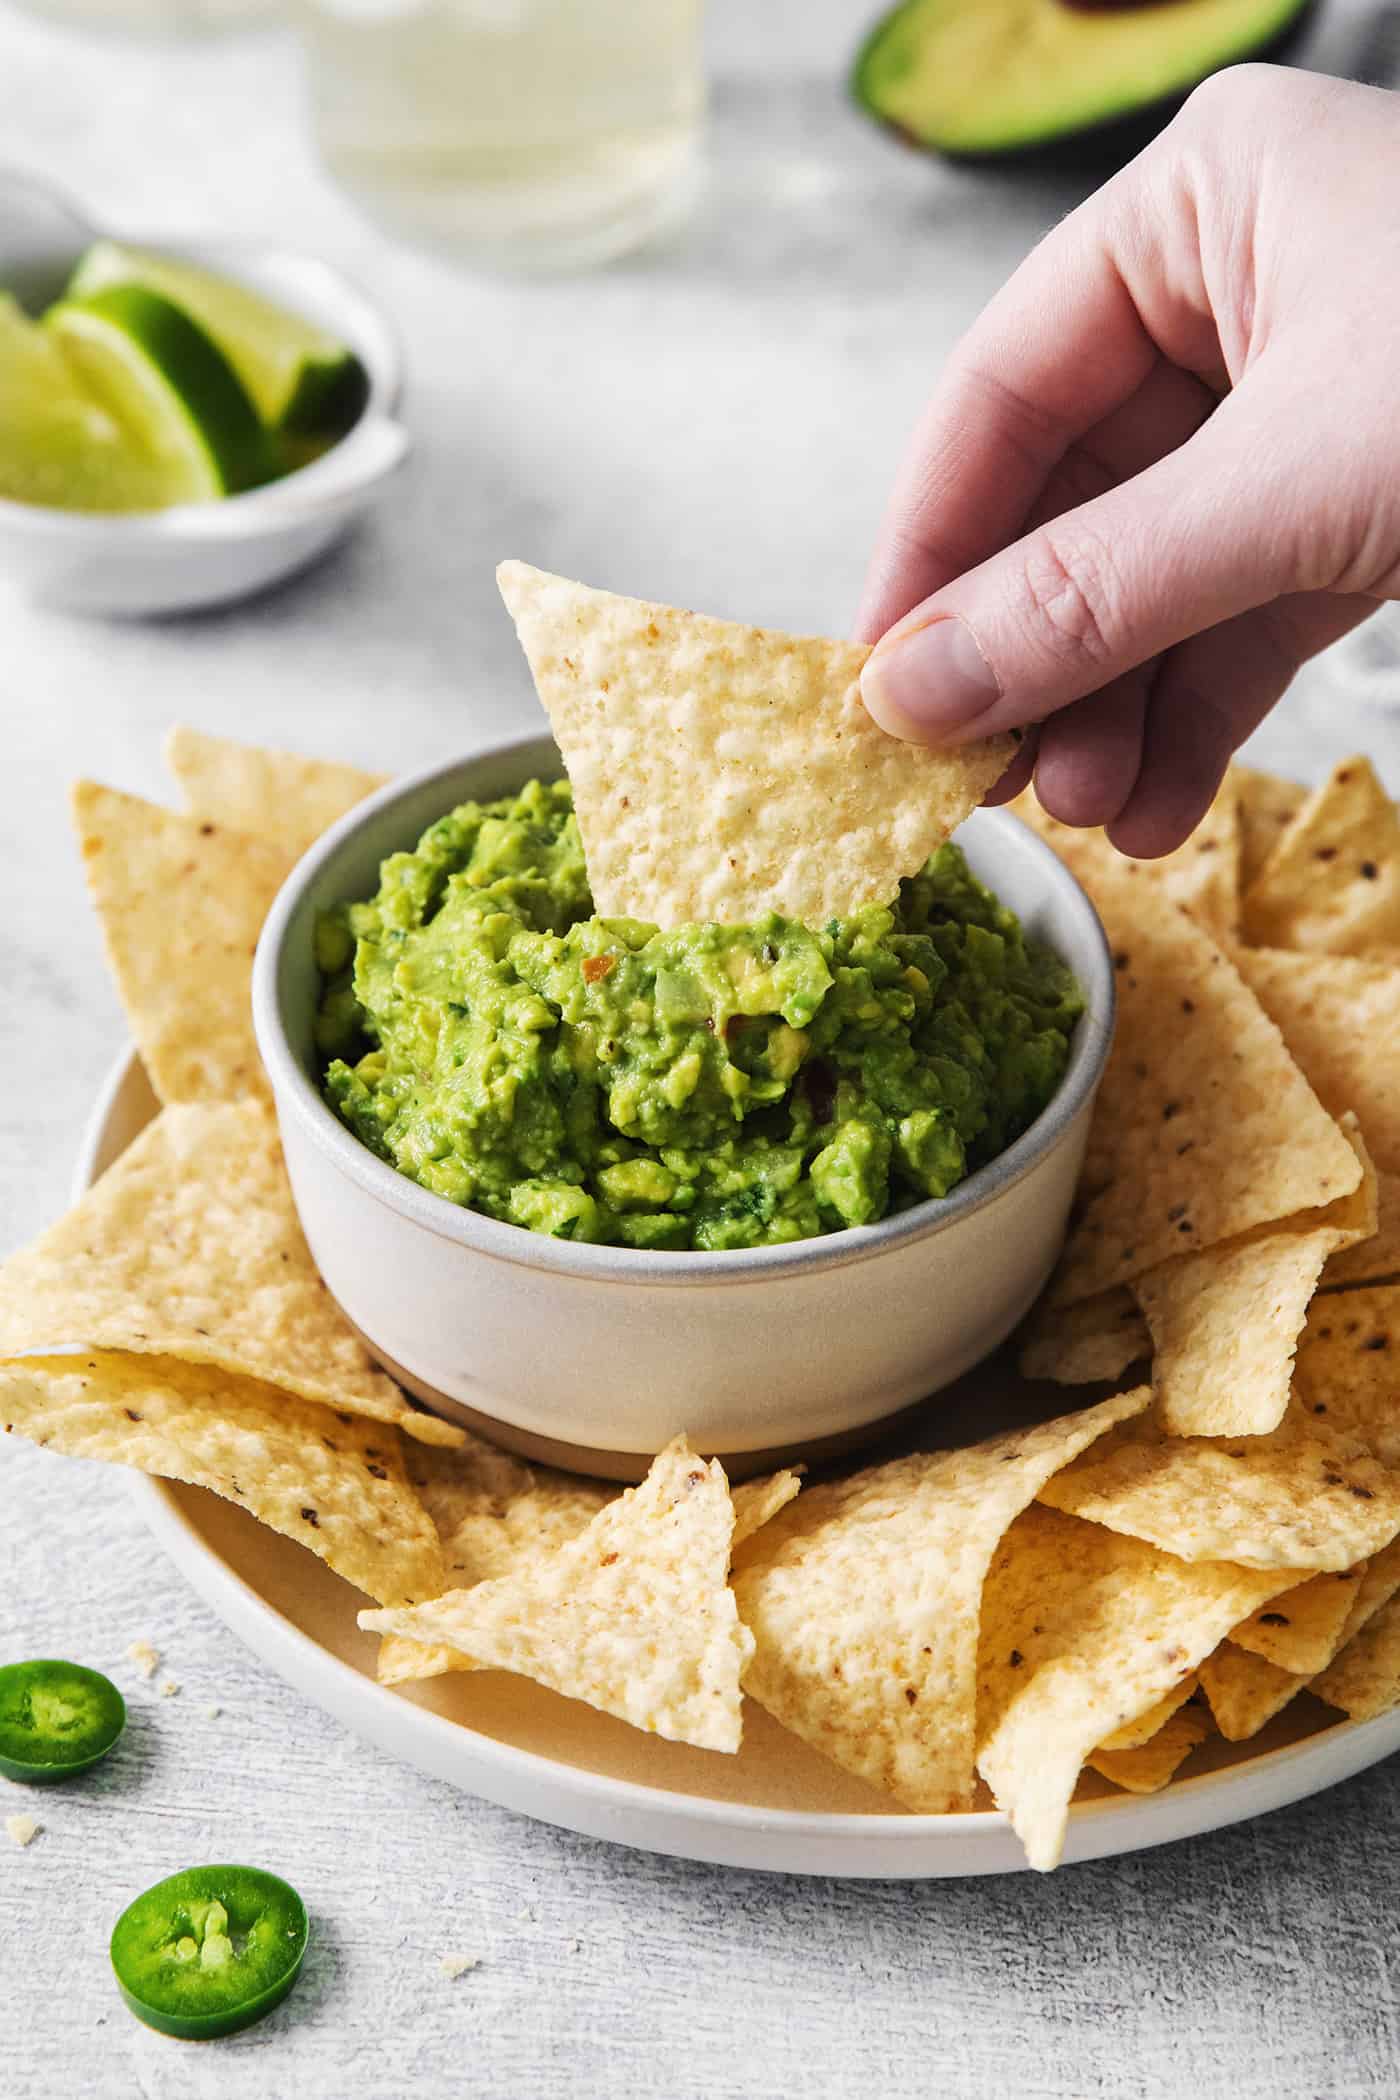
(170, 388)
(58, 446)
(299, 377)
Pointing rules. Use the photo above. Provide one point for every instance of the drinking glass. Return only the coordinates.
(520, 134)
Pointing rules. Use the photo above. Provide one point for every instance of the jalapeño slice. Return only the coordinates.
(210, 1950)
(56, 1718)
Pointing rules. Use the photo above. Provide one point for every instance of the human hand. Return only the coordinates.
(1163, 467)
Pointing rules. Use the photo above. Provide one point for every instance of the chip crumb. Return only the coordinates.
(145, 1657)
(211, 1712)
(169, 1687)
(572, 1946)
(455, 1965)
(23, 1829)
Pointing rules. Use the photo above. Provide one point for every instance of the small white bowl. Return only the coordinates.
(594, 1357)
(201, 554)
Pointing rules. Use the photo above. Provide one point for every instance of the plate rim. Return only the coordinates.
(893, 1845)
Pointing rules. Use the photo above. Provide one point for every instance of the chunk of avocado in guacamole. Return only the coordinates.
(703, 1087)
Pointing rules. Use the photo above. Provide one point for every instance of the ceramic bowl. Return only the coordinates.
(201, 554)
(595, 1356)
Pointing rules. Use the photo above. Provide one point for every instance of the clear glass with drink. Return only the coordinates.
(521, 134)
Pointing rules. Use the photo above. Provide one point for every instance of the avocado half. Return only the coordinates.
(998, 80)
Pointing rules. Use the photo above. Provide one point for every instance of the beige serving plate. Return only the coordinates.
(777, 1806)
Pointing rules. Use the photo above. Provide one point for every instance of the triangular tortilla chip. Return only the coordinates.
(1267, 806)
(182, 902)
(1202, 875)
(1204, 1125)
(497, 1516)
(276, 795)
(1133, 1734)
(1339, 1013)
(1082, 1631)
(1364, 1681)
(1080, 1344)
(1303, 1497)
(189, 1246)
(1333, 880)
(864, 1600)
(1147, 1767)
(1348, 1371)
(1300, 1629)
(634, 1616)
(722, 771)
(1245, 1691)
(1225, 1322)
(330, 1481)
(1377, 1258)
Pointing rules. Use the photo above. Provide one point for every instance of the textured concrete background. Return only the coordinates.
(719, 425)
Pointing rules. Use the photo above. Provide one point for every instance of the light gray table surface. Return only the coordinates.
(715, 424)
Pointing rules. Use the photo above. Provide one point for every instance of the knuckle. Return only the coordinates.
(1072, 598)
(1231, 92)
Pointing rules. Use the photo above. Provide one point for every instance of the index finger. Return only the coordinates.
(1059, 348)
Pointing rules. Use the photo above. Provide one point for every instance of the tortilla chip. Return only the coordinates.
(1133, 1734)
(1348, 1374)
(1364, 1681)
(330, 1481)
(1301, 1629)
(864, 1600)
(1148, 1767)
(1204, 1122)
(1245, 1691)
(181, 903)
(497, 1516)
(1301, 1497)
(1267, 806)
(1376, 1258)
(1082, 1631)
(634, 1616)
(1337, 1012)
(1333, 880)
(1377, 1586)
(1203, 874)
(1081, 1344)
(1225, 1325)
(189, 1246)
(275, 795)
(722, 771)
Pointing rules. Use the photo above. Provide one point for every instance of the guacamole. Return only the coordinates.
(703, 1087)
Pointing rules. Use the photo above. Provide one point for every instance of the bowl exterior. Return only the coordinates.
(740, 1365)
(613, 1351)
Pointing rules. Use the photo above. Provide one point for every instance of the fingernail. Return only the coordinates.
(929, 684)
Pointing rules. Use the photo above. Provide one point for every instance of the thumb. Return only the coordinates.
(1198, 538)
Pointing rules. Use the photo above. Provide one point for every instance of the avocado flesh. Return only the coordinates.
(992, 78)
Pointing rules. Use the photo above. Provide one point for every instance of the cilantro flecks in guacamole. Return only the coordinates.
(710, 1086)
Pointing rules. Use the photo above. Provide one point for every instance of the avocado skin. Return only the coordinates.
(1089, 149)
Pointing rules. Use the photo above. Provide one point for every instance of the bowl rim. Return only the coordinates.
(371, 336)
(297, 1097)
